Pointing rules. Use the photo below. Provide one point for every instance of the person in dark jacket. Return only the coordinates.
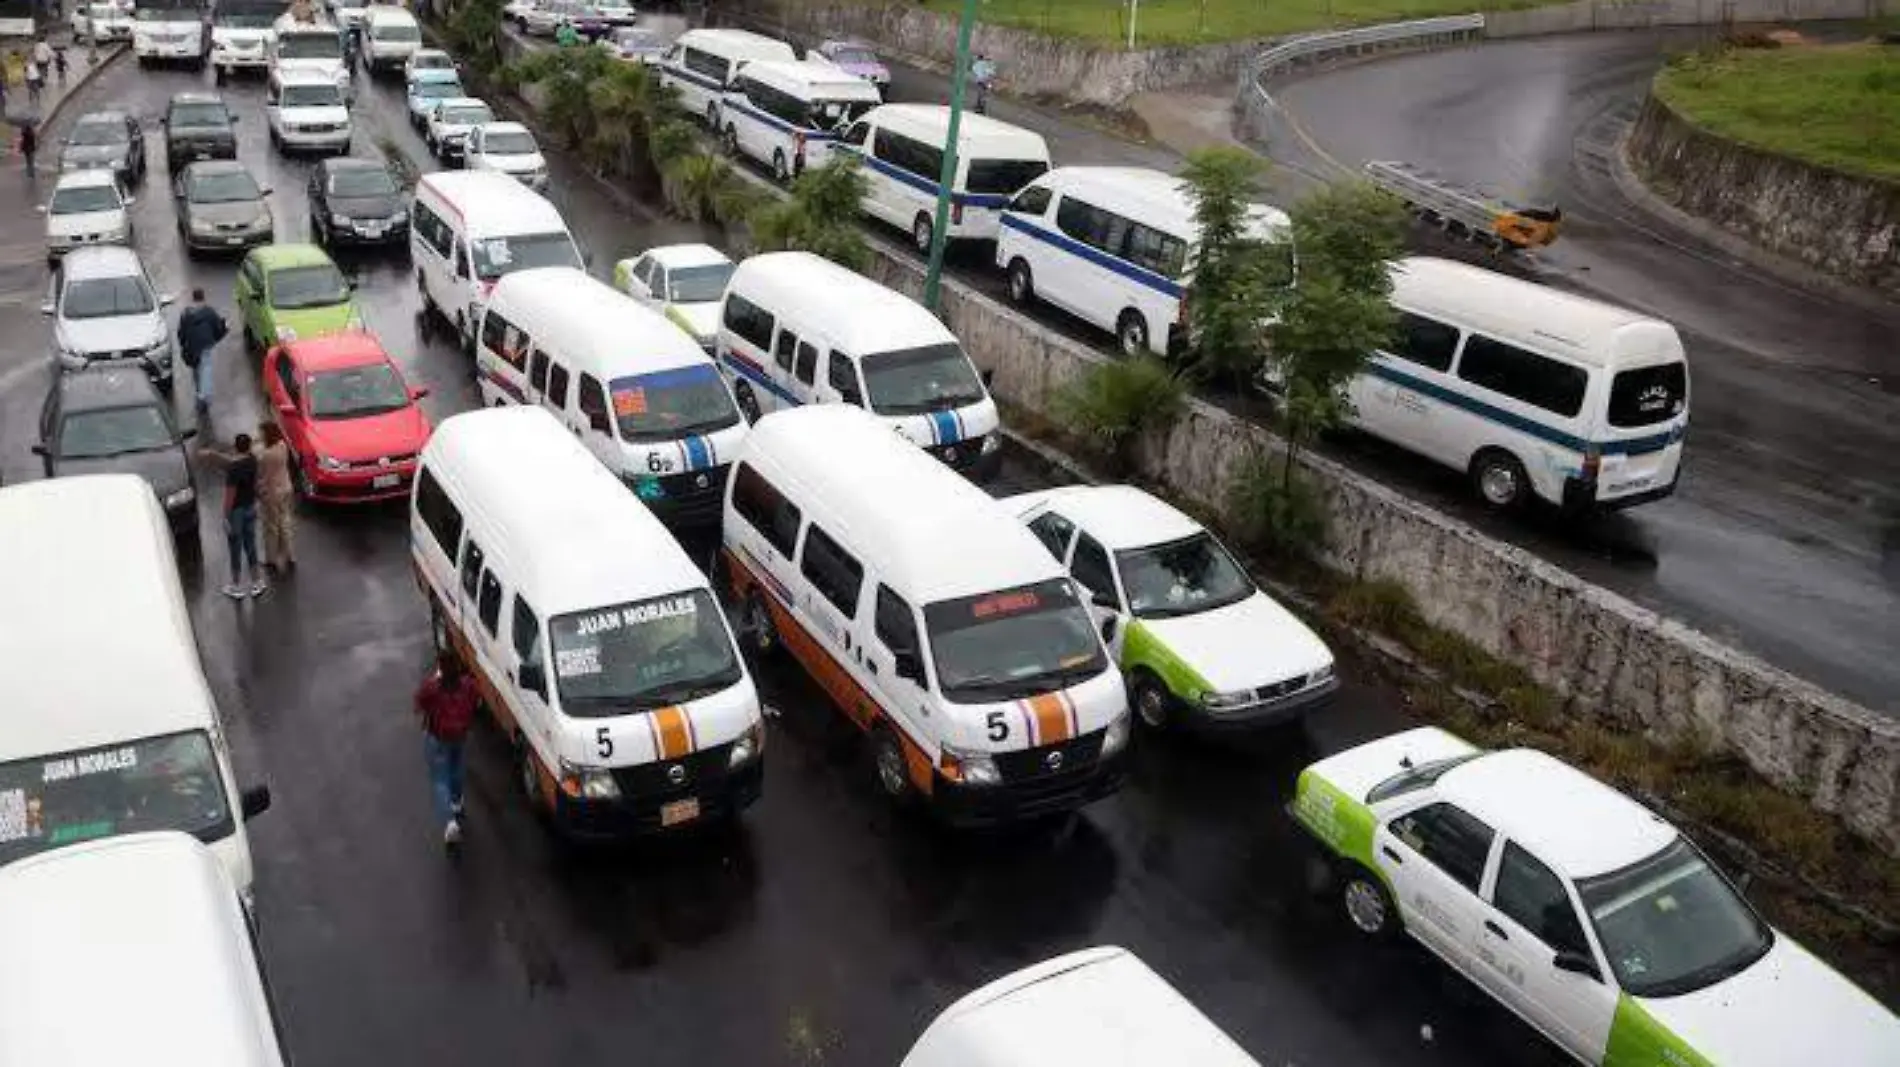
(200, 328)
(446, 704)
(29, 144)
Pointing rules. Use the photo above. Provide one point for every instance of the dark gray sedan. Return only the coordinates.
(110, 420)
(220, 206)
(103, 140)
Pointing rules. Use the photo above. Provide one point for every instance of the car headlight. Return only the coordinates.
(160, 347)
(1115, 738)
(342, 220)
(992, 443)
(202, 226)
(588, 783)
(1213, 701)
(285, 333)
(331, 463)
(750, 746)
(970, 767)
(178, 498)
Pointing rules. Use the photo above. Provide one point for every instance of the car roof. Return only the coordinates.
(464, 101)
(505, 127)
(744, 43)
(105, 116)
(1000, 139)
(339, 163)
(597, 328)
(148, 928)
(193, 97)
(98, 387)
(85, 179)
(430, 53)
(687, 255)
(1575, 824)
(435, 76)
(1151, 197)
(217, 166)
(1119, 516)
(303, 76)
(854, 312)
(274, 257)
(351, 348)
(388, 13)
(100, 261)
(848, 42)
(816, 77)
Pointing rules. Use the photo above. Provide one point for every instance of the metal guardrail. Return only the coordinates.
(1314, 48)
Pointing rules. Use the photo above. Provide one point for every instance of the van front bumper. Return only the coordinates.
(685, 499)
(647, 789)
(1030, 788)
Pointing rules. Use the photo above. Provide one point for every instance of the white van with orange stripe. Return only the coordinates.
(598, 646)
(938, 624)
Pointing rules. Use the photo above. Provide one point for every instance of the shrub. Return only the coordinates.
(1277, 511)
(820, 217)
(1113, 404)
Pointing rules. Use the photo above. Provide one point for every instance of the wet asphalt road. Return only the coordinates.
(821, 929)
(1784, 536)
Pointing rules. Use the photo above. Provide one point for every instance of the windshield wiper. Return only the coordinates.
(114, 454)
(1067, 676)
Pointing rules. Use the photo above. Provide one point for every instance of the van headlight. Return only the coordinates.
(749, 746)
(588, 783)
(970, 767)
(1115, 738)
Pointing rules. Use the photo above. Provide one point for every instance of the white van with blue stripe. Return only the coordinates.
(637, 390)
(1112, 246)
(1530, 391)
(787, 115)
(902, 145)
(796, 329)
(703, 64)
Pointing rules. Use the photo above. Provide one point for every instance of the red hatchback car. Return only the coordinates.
(352, 423)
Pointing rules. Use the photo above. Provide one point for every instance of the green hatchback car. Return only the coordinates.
(293, 292)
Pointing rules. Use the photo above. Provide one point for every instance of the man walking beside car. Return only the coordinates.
(240, 517)
(446, 704)
(200, 328)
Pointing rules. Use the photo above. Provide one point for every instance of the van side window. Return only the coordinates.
(461, 261)
(438, 513)
(835, 573)
(504, 340)
(1091, 225)
(1091, 566)
(908, 153)
(708, 64)
(557, 384)
(1055, 533)
(807, 362)
(1157, 251)
(782, 351)
(526, 632)
(538, 371)
(857, 133)
(593, 404)
(1032, 201)
(430, 227)
(896, 625)
(763, 507)
(1523, 375)
(471, 567)
(749, 321)
(843, 376)
(488, 606)
(1426, 342)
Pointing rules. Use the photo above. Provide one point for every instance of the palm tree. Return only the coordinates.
(700, 187)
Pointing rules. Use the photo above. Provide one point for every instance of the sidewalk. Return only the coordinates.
(19, 110)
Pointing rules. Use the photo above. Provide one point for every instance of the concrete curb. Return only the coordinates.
(107, 57)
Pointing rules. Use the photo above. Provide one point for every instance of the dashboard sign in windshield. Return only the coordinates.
(643, 655)
(159, 783)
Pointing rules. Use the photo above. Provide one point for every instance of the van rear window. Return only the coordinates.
(170, 782)
(1649, 395)
(1004, 176)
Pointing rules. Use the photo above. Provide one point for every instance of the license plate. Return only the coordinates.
(374, 231)
(678, 811)
(385, 481)
(234, 240)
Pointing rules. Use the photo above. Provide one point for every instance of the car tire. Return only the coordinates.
(747, 401)
(922, 234)
(1154, 706)
(527, 779)
(1131, 333)
(1368, 904)
(756, 627)
(1022, 283)
(888, 766)
(781, 171)
(1499, 480)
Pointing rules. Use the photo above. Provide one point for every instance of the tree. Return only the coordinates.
(475, 33)
(1237, 268)
(701, 187)
(820, 215)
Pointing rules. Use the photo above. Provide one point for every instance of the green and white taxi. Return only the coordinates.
(1198, 642)
(683, 282)
(1595, 921)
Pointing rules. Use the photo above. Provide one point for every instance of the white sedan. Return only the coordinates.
(1596, 922)
(1200, 644)
(447, 126)
(686, 283)
(87, 208)
(509, 148)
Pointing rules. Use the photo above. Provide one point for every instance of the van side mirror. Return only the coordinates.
(254, 801)
(1577, 963)
(906, 664)
(533, 678)
(988, 376)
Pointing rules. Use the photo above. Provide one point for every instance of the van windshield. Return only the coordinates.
(160, 783)
(1004, 176)
(912, 381)
(496, 256)
(670, 404)
(1649, 395)
(642, 655)
(309, 46)
(1012, 644)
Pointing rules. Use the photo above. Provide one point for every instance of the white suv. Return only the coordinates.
(87, 208)
(390, 37)
(307, 112)
(105, 308)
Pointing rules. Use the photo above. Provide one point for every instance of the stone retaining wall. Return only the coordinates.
(1844, 225)
(1585, 15)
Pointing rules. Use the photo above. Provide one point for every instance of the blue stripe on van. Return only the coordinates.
(1160, 283)
(755, 374)
(698, 456)
(945, 425)
(1635, 446)
(701, 80)
(734, 102)
(988, 200)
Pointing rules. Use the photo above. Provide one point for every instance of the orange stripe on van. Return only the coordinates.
(1052, 717)
(672, 731)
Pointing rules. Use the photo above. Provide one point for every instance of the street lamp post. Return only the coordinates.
(948, 176)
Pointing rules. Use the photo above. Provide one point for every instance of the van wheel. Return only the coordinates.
(1131, 332)
(1152, 702)
(887, 759)
(1022, 284)
(1500, 479)
(748, 403)
(526, 775)
(1368, 906)
(922, 233)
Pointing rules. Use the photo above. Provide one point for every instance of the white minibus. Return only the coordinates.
(798, 329)
(1112, 246)
(1530, 391)
(702, 65)
(126, 737)
(134, 949)
(598, 646)
(639, 392)
(901, 146)
(936, 622)
(788, 114)
(469, 229)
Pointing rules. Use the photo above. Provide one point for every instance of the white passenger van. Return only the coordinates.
(901, 146)
(1102, 1007)
(1530, 391)
(702, 65)
(639, 392)
(134, 949)
(787, 114)
(125, 738)
(390, 37)
(308, 41)
(469, 229)
(1112, 246)
(938, 624)
(799, 329)
(597, 644)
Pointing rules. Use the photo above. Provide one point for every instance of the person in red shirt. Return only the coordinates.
(446, 704)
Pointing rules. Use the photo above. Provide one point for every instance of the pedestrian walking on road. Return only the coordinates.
(59, 63)
(35, 80)
(29, 145)
(276, 501)
(240, 518)
(446, 704)
(200, 328)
